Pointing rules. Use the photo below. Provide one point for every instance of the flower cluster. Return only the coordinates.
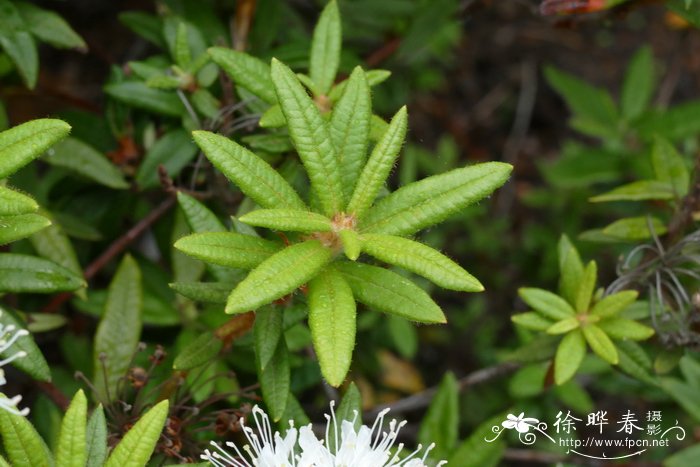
(8, 336)
(368, 447)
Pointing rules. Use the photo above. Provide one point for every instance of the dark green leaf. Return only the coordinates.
(198, 352)
(96, 438)
(22, 273)
(639, 84)
(139, 95)
(50, 27)
(275, 381)
(269, 326)
(173, 151)
(33, 363)
(440, 424)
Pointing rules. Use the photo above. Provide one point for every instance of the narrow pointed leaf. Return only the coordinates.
(279, 275)
(635, 228)
(386, 291)
(586, 287)
(249, 172)
(118, 332)
(441, 423)
(352, 243)
(53, 244)
(600, 343)
(531, 320)
(269, 326)
(83, 159)
(622, 328)
(228, 248)
(198, 352)
(309, 132)
(291, 220)
(570, 269)
(21, 48)
(173, 151)
(349, 129)
(23, 445)
(138, 444)
(546, 303)
(670, 167)
(275, 381)
(350, 407)
(332, 312)
(434, 199)
(325, 48)
(21, 144)
(421, 259)
(209, 292)
(246, 71)
(379, 165)
(563, 326)
(96, 438)
(638, 87)
(569, 356)
(637, 191)
(49, 27)
(139, 95)
(13, 203)
(272, 117)
(71, 450)
(22, 273)
(614, 304)
(374, 77)
(16, 227)
(33, 363)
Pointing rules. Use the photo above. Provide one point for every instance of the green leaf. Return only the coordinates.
(211, 292)
(374, 77)
(182, 54)
(96, 438)
(21, 144)
(145, 25)
(53, 244)
(570, 269)
(198, 352)
(622, 328)
(332, 312)
(675, 123)
(670, 167)
(564, 326)
(22, 273)
(569, 356)
(250, 173)
(422, 260)
(476, 450)
(275, 381)
(205, 103)
(291, 220)
(531, 320)
(268, 329)
(173, 151)
(139, 95)
(637, 191)
(600, 343)
(21, 48)
(279, 275)
(548, 304)
(15, 227)
(349, 129)
(71, 449)
(33, 363)
(379, 165)
(352, 243)
(433, 199)
(228, 248)
(350, 407)
(138, 444)
(635, 228)
(325, 48)
(684, 457)
(23, 445)
(118, 332)
(584, 294)
(272, 117)
(50, 27)
(634, 361)
(440, 424)
(614, 304)
(309, 132)
(687, 396)
(247, 71)
(639, 84)
(13, 203)
(386, 291)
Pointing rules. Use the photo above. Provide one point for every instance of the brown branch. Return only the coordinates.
(55, 394)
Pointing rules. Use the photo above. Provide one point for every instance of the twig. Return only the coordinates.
(55, 394)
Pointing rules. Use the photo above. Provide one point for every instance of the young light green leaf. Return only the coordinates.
(635, 228)
(279, 275)
(352, 243)
(546, 303)
(309, 132)
(638, 88)
(173, 151)
(208, 292)
(637, 191)
(139, 95)
(622, 328)
(15, 227)
(670, 167)
(291, 220)
(349, 129)
(249, 172)
(325, 48)
(138, 444)
(118, 332)
(332, 312)
(228, 248)
(374, 77)
(273, 117)
(13, 203)
(246, 71)
(386, 291)
(570, 269)
(23, 445)
(531, 320)
(421, 259)
(584, 294)
(570, 353)
(72, 444)
(614, 304)
(269, 326)
(21, 144)
(379, 165)
(21, 48)
(275, 381)
(441, 422)
(23, 273)
(600, 343)
(33, 363)
(96, 438)
(198, 352)
(564, 326)
(433, 199)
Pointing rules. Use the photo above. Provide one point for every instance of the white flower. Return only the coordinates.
(520, 423)
(368, 447)
(8, 336)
